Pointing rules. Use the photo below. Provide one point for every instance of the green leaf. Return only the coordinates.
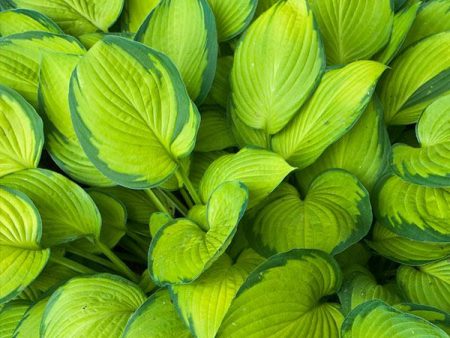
(363, 151)
(138, 138)
(10, 316)
(15, 21)
(185, 31)
(20, 56)
(279, 299)
(22, 258)
(201, 162)
(182, 249)
(67, 211)
(427, 284)
(437, 317)
(220, 89)
(264, 5)
(405, 93)
(157, 221)
(357, 254)
(247, 136)
(334, 108)
(91, 306)
(232, 16)
(77, 17)
(414, 211)
(353, 30)
(375, 319)
(214, 132)
(146, 283)
(90, 39)
(61, 141)
(203, 303)
(276, 67)
(157, 317)
(404, 250)
(135, 12)
(260, 170)
(428, 164)
(21, 133)
(30, 323)
(322, 220)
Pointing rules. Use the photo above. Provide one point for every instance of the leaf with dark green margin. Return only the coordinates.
(90, 39)
(10, 316)
(437, 317)
(16, 21)
(220, 89)
(138, 138)
(134, 13)
(214, 132)
(157, 221)
(279, 299)
(30, 323)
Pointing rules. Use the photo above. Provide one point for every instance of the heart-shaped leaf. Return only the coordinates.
(185, 31)
(220, 89)
(428, 164)
(182, 249)
(157, 317)
(10, 316)
(204, 302)
(30, 323)
(91, 306)
(276, 66)
(22, 258)
(334, 108)
(321, 220)
(353, 30)
(77, 17)
(377, 319)
(405, 94)
(437, 317)
(137, 139)
(279, 299)
(16, 21)
(21, 133)
(214, 132)
(413, 211)
(134, 13)
(67, 211)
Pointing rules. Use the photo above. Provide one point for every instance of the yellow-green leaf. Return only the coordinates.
(30, 323)
(437, 317)
(157, 221)
(214, 132)
(220, 89)
(201, 162)
(135, 12)
(15, 21)
(10, 316)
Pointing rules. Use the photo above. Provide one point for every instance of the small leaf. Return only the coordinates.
(135, 12)
(30, 323)
(214, 132)
(16, 21)
(220, 89)
(90, 39)
(157, 221)
(201, 162)
(10, 316)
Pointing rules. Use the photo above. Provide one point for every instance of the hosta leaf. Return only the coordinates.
(232, 16)
(333, 109)
(437, 317)
(279, 299)
(10, 316)
(182, 249)
(67, 211)
(214, 132)
(220, 88)
(157, 317)
(157, 221)
(404, 250)
(353, 29)
(185, 31)
(146, 283)
(376, 319)
(91, 306)
(357, 254)
(61, 141)
(428, 164)
(276, 67)
(405, 93)
(30, 323)
(21, 133)
(22, 258)
(90, 39)
(247, 136)
(363, 151)
(20, 55)
(201, 162)
(137, 138)
(414, 211)
(264, 5)
(320, 219)
(135, 12)
(427, 284)
(77, 17)
(204, 303)
(260, 170)
(15, 21)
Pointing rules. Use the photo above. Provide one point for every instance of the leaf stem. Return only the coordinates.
(117, 261)
(172, 199)
(94, 258)
(186, 198)
(72, 265)
(156, 201)
(181, 175)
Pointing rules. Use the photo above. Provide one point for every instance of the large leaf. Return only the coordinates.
(77, 17)
(333, 109)
(91, 306)
(276, 67)
(20, 55)
(185, 31)
(363, 151)
(322, 220)
(214, 132)
(135, 12)
(22, 257)
(137, 138)
(260, 170)
(61, 141)
(418, 76)
(30, 323)
(427, 284)
(279, 299)
(204, 302)
(15, 21)
(353, 29)
(67, 211)
(182, 249)
(21, 133)
(413, 211)
(428, 164)
(376, 319)
(10, 316)
(156, 318)
(437, 317)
